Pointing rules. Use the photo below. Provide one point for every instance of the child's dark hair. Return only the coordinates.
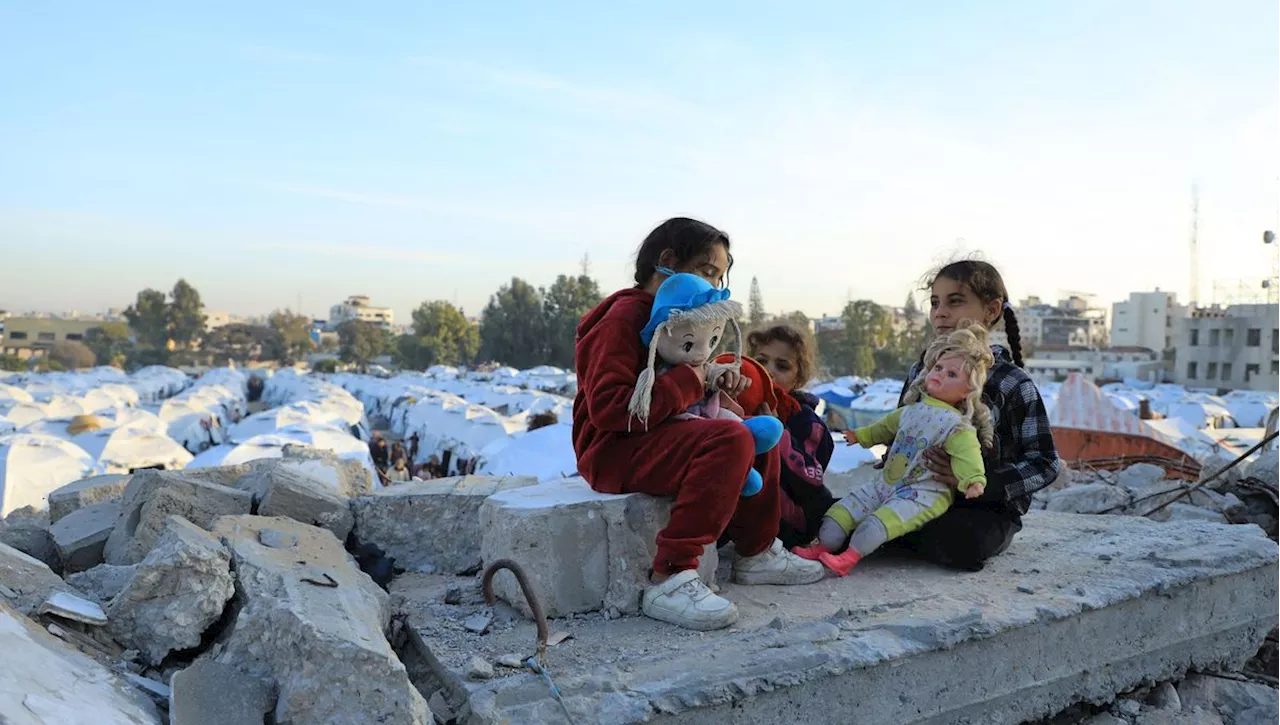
(689, 239)
(791, 336)
(988, 285)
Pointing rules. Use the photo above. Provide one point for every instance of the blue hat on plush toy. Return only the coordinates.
(683, 292)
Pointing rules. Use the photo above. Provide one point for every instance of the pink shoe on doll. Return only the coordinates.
(841, 564)
(812, 553)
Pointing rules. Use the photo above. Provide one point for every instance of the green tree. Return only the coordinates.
(868, 327)
(755, 306)
(294, 331)
(512, 329)
(110, 343)
(149, 318)
(49, 365)
(72, 355)
(12, 363)
(908, 341)
(441, 336)
(360, 342)
(563, 306)
(186, 314)
(328, 365)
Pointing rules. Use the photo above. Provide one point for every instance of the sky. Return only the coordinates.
(286, 153)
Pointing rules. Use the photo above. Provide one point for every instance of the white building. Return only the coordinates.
(1071, 322)
(1147, 319)
(213, 319)
(357, 307)
(1052, 363)
(1236, 348)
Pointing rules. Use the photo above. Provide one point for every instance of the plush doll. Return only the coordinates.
(943, 407)
(688, 321)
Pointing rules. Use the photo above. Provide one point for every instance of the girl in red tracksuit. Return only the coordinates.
(701, 463)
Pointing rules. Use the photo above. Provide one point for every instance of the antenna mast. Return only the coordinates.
(1194, 291)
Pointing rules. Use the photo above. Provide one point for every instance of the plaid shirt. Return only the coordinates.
(1023, 459)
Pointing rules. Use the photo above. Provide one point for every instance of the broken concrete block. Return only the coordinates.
(1168, 597)
(211, 693)
(309, 621)
(341, 476)
(76, 608)
(177, 591)
(1266, 467)
(1237, 702)
(26, 582)
(432, 526)
(583, 551)
(86, 492)
(152, 496)
(102, 582)
(27, 530)
(81, 535)
(302, 498)
(1088, 498)
(46, 682)
(1186, 512)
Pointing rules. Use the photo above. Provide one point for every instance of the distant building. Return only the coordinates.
(215, 319)
(827, 322)
(357, 307)
(1052, 363)
(1147, 319)
(1071, 322)
(29, 337)
(1236, 347)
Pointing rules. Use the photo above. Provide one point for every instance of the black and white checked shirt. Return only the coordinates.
(1023, 459)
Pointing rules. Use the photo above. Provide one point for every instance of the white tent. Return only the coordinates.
(122, 449)
(270, 421)
(196, 431)
(12, 395)
(65, 406)
(271, 445)
(31, 466)
(24, 414)
(546, 453)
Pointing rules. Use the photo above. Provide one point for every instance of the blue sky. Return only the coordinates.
(413, 151)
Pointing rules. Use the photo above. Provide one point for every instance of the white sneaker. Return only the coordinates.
(683, 600)
(776, 565)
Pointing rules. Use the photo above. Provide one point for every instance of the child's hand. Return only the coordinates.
(850, 437)
(975, 490)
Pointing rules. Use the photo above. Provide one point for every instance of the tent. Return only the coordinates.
(24, 414)
(122, 449)
(31, 466)
(270, 421)
(65, 406)
(1088, 426)
(546, 453)
(11, 395)
(271, 445)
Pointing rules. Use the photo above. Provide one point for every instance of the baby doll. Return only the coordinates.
(943, 406)
(687, 323)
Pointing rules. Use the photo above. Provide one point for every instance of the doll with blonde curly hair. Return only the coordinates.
(943, 406)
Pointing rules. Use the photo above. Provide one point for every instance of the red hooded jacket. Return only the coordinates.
(609, 356)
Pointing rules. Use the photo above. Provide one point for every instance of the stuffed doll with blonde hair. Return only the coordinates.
(688, 321)
(943, 407)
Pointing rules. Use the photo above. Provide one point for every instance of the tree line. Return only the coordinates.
(522, 326)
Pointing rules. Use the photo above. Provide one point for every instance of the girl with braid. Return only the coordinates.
(1022, 459)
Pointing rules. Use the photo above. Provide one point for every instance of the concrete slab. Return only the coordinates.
(432, 526)
(1079, 608)
(210, 693)
(26, 582)
(45, 682)
(298, 496)
(583, 551)
(82, 534)
(86, 492)
(152, 496)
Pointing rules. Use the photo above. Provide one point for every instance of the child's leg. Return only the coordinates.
(909, 509)
(844, 517)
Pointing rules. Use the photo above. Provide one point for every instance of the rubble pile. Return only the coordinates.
(220, 595)
(260, 593)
